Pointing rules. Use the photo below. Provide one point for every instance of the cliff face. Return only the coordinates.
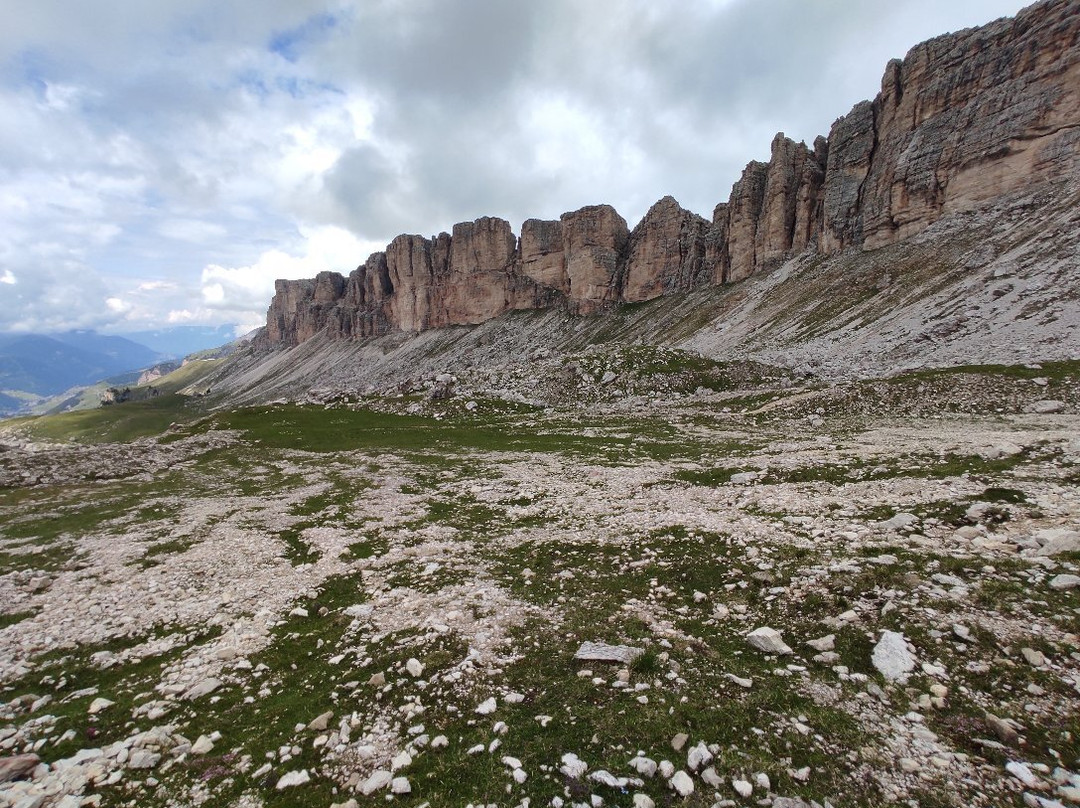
(667, 253)
(963, 119)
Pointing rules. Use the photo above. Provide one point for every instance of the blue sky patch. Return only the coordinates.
(288, 44)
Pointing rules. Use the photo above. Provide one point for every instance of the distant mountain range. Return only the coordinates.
(180, 341)
(46, 365)
(36, 366)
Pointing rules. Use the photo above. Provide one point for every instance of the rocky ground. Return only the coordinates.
(850, 595)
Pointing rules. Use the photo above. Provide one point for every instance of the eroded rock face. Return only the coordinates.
(595, 239)
(851, 147)
(301, 309)
(667, 253)
(744, 210)
(968, 117)
(481, 256)
(962, 120)
(416, 276)
(775, 210)
(542, 256)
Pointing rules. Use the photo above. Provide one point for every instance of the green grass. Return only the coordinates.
(186, 375)
(445, 442)
(114, 424)
(13, 618)
(169, 547)
(597, 580)
(292, 684)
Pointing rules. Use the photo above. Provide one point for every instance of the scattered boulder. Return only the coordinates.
(1054, 541)
(1003, 729)
(292, 779)
(573, 766)
(1064, 582)
(202, 746)
(18, 767)
(99, 704)
(681, 783)
(900, 521)
(1033, 657)
(602, 652)
(892, 657)
(768, 640)
(377, 781)
(143, 759)
(203, 688)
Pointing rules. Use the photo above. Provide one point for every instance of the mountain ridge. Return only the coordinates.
(962, 120)
(49, 364)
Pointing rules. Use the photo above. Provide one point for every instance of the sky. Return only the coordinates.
(162, 163)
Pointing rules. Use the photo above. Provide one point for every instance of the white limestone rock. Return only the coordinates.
(643, 766)
(892, 657)
(1064, 582)
(681, 782)
(203, 688)
(292, 779)
(573, 766)
(99, 704)
(768, 641)
(202, 746)
(378, 780)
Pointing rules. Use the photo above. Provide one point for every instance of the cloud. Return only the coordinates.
(245, 291)
(192, 230)
(48, 299)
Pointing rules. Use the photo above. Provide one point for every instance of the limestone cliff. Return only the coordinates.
(961, 120)
(667, 253)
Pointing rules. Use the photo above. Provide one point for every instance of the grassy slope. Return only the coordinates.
(123, 422)
(604, 726)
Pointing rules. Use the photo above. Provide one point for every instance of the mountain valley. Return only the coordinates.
(780, 508)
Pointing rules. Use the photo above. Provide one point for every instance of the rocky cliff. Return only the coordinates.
(962, 120)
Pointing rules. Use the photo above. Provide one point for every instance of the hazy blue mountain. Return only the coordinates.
(47, 365)
(125, 353)
(180, 341)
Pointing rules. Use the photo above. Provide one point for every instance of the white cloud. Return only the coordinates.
(156, 286)
(250, 287)
(8, 277)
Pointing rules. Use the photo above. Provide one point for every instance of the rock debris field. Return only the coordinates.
(646, 602)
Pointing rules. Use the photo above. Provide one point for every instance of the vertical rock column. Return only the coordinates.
(667, 253)
(481, 259)
(595, 243)
(744, 210)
